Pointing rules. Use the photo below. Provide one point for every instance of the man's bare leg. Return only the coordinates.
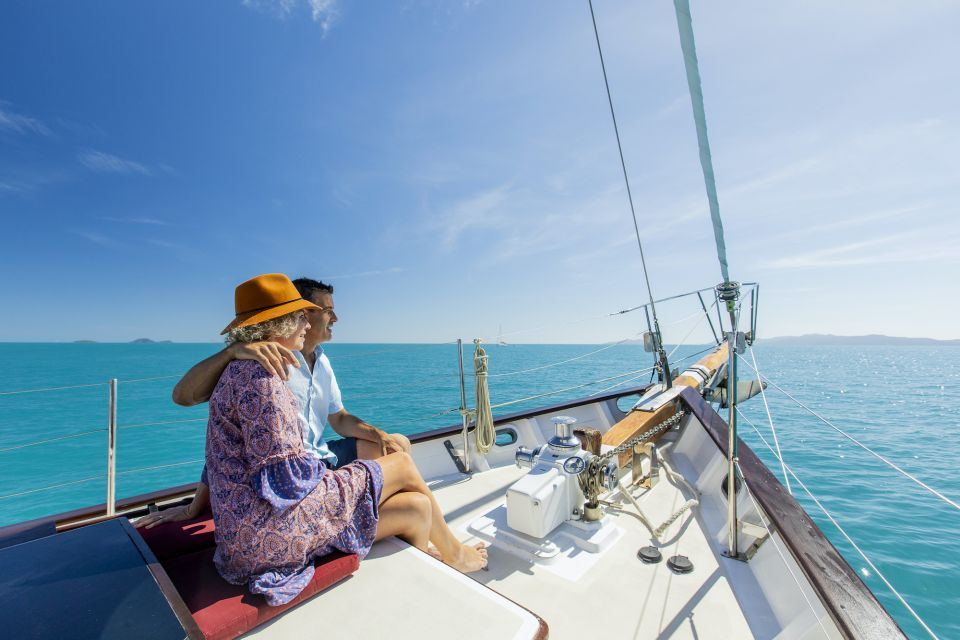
(400, 476)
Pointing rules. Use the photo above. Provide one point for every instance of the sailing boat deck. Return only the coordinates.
(634, 599)
(577, 592)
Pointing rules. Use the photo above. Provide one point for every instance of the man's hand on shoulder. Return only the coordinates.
(273, 356)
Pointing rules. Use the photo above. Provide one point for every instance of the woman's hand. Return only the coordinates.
(173, 514)
(274, 357)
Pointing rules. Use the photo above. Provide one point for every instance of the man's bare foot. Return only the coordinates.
(470, 559)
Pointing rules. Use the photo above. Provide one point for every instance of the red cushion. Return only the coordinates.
(171, 539)
(224, 611)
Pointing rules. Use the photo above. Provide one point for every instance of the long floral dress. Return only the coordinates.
(275, 506)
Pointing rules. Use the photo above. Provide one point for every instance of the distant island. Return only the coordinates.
(872, 340)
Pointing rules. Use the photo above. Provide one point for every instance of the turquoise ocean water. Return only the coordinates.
(903, 402)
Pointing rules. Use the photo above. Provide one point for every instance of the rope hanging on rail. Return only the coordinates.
(486, 434)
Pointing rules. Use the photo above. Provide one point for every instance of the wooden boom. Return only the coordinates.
(638, 421)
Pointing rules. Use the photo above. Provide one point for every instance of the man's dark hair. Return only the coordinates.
(308, 287)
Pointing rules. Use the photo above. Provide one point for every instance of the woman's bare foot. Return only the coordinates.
(470, 559)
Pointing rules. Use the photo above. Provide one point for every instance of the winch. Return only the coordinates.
(553, 490)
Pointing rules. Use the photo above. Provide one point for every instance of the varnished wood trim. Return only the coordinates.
(854, 608)
(543, 631)
(163, 581)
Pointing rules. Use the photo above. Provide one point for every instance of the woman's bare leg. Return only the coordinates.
(400, 476)
(406, 515)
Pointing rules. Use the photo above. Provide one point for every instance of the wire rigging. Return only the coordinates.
(829, 516)
(626, 179)
(846, 435)
(776, 440)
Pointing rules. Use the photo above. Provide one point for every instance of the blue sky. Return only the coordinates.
(451, 166)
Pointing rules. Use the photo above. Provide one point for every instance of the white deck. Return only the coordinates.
(400, 592)
(620, 594)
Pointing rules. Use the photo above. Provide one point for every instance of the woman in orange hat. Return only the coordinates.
(276, 507)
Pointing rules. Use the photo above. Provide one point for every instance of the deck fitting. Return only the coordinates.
(650, 555)
(680, 564)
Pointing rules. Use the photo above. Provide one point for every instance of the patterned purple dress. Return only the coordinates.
(275, 506)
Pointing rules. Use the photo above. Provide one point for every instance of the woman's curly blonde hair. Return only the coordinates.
(281, 327)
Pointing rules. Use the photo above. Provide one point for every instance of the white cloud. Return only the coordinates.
(163, 244)
(482, 210)
(10, 121)
(96, 238)
(107, 163)
(523, 221)
(136, 220)
(891, 249)
(324, 12)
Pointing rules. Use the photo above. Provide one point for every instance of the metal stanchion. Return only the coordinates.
(112, 449)
(464, 416)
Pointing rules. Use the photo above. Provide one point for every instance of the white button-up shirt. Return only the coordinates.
(319, 396)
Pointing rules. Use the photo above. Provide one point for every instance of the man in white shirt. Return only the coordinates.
(309, 376)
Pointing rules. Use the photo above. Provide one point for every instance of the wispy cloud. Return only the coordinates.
(364, 274)
(481, 210)
(890, 249)
(18, 123)
(96, 238)
(324, 12)
(108, 163)
(526, 222)
(136, 220)
(22, 182)
(164, 244)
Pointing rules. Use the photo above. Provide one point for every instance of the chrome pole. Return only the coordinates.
(463, 410)
(112, 449)
(729, 292)
(733, 550)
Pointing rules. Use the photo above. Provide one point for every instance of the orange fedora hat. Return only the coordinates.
(264, 298)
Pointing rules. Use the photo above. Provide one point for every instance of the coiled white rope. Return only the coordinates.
(486, 435)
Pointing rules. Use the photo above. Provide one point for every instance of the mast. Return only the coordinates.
(728, 291)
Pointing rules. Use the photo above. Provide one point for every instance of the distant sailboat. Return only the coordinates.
(500, 342)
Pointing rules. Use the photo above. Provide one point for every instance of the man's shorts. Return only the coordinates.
(345, 449)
